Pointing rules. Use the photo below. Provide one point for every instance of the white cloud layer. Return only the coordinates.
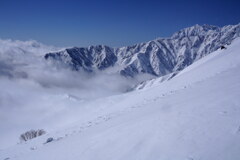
(37, 94)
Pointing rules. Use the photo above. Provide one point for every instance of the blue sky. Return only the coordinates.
(110, 22)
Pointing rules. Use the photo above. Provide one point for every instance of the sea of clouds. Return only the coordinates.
(36, 93)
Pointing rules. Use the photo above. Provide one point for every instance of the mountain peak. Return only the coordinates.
(195, 30)
(157, 57)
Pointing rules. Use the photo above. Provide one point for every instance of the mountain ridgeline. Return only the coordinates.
(158, 57)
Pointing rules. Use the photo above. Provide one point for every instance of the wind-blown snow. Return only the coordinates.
(194, 115)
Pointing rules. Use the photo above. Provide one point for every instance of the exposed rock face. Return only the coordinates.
(157, 57)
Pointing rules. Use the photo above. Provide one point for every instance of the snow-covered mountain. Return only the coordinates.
(158, 57)
(191, 111)
(193, 116)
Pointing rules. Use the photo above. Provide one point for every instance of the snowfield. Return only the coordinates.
(193, 116)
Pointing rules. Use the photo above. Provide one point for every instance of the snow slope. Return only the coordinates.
(37, 94)
(193, 116)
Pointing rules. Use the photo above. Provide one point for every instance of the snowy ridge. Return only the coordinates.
(158, 57)
(194, 115)
(207, 72)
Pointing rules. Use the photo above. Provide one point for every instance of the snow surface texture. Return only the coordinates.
(193, 116)
(157, 57)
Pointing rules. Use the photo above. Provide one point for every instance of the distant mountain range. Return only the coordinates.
(158, 57)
